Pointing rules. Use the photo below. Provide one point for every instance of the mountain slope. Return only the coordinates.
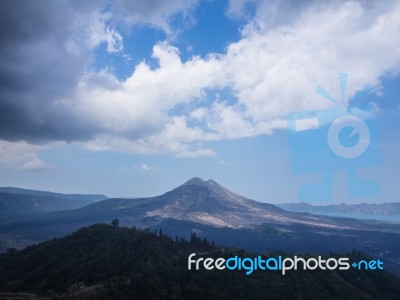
(106, 262)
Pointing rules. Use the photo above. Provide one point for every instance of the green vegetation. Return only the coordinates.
(112, 262)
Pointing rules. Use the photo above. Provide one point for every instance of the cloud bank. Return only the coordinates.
(49, 92)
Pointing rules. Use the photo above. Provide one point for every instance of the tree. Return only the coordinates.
(193, 237)
(115, 223)
(11, 250)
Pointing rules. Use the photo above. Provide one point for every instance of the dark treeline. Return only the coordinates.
(112, 262)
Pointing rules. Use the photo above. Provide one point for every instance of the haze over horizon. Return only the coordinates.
(133, 98)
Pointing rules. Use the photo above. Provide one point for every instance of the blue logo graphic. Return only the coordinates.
(339, 138)
(368, 265)
(279, 263)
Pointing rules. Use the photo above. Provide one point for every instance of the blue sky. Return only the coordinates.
(133, 98)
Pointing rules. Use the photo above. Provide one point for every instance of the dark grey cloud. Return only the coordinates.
(154, 12)
(38, 67)
(45, 48)
(276, 13)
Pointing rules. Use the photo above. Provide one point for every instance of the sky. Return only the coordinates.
(133, 98)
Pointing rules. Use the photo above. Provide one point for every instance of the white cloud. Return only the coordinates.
(271, 70)
(113, 39)
(96, 23)
(145, 167)
(228, 121)
(36, 164)
(275, 71)
(22, 155)
(236, 9)
(140, 101)
(196, 153)
(176, 138)
(95, 29)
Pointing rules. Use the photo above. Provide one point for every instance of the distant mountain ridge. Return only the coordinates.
(14, 190)
(382, 209)
(16, 201)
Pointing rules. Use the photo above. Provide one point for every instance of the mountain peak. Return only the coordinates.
(199, 181)
(209, 185)
(195, 180)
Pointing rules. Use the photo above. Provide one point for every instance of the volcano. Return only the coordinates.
(199, 201)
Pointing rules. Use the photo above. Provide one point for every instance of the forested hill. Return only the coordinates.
(111, 262)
